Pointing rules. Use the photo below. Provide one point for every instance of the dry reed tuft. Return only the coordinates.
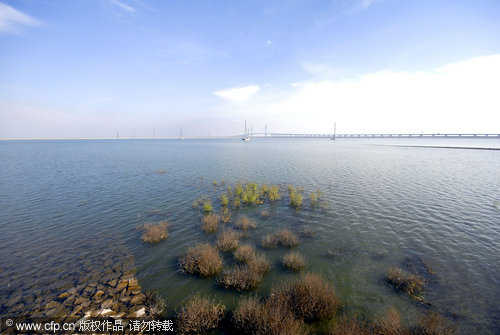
(433, 324)
(390, 324)
(283, 237)
(228, 240)
(154, 232)
(248, 276)
(155, 303)
(346, 326)
(199, 315)
(311, 297)
(245, 223)
(202, 259)
(407, 282)
(293, 261)
(263, 318)
(240, 278)
(245, 253)
(210, 223)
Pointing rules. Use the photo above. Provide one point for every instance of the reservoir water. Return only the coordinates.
(67, 206)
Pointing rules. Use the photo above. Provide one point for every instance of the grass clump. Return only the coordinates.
(390, 324)
(248, 276)
(210, 223)
(283, 237)
(245, 223)
(254, 317)
(154, 232)
(244, 254)
(228, 240)
(346, 326)
(311, 297)
(155, 303)
(207, 206)
(433, 324)
(315, 198)
(202, 259)
(224, 200)
(240, 278)
(199, 315)
(293, 261)
(410, 283)
(273, 193)
(225, 215)
(294, 198)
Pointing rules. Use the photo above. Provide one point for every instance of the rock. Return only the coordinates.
(107, 303)
(53, 304)
(76, 311)
(138, 311)
(123, 284)
(69, 301)
(13, 300)
(112, 283)
(133, 282)
(91, 313)
(29, 298)
(98, 294)
(72, 291)
(125, 298)
(118, 315)
(100, 287)
(93, 284)
(106, 312)
(63, 295)
(138, 299)
(134, 289)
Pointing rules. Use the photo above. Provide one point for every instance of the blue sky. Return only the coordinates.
(92, 68)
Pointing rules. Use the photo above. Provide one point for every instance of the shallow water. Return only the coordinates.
(65, 203)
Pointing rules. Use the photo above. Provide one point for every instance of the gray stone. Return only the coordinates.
(106, 304)
(138, 299)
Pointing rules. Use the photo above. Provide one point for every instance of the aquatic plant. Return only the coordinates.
(293, 261)
(407, 282)
(264, 213)
(244, 223)
(433, 324)
(310, 297)
(254, 317)
(273, 193)
(283, 237)
(240, 278)
(224, 200)
(154, 232)
(228, 240)
(248, 276)
(154, 303)
(210, 223)
(225, 215)
(245, 253)
(207, 206)
(390, 324)
(345, 326)
(315, 198)
(202, 259)
(199, 315)
(294, 198)
(214, 183)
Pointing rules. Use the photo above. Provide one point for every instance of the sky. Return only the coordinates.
(95, 68)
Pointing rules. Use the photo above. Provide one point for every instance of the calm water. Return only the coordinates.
(66, 205)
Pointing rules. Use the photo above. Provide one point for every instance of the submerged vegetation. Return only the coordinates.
(283, 237)
(202, 259)
(210, 223)
(293, 261)
(410, 283)
(199, 315)
(154, 232)
(295, 306)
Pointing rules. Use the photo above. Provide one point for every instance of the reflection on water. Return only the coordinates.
(69, 209)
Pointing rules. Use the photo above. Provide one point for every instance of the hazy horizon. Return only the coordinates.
(144, 67)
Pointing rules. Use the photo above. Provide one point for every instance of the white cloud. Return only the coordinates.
(123, 6)
(366, 3)
(11, 19)
(238, 94)
(459, 97)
